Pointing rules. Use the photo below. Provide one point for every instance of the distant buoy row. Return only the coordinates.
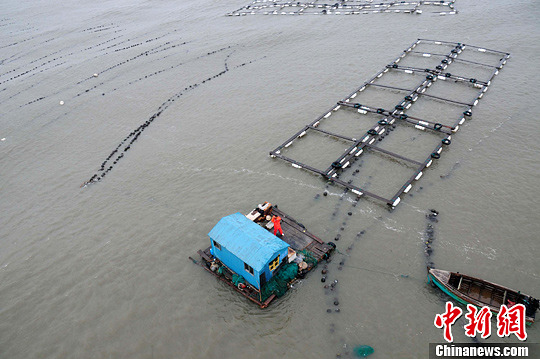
(27, 71)
(97, 27)
(36, 65)
(430, 235)
(49, 61)
(25, 40)
(156, 72)
(144, 53)
(331, 289)
(118, 153)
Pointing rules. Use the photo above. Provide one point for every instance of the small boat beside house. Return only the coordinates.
(245, 253)
(478, 292)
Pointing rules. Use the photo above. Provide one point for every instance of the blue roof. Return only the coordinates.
(247, 240)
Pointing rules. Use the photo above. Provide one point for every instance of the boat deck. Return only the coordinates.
(481, 291)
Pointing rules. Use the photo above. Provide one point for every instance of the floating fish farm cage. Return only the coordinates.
(412, 106)
(345, 7)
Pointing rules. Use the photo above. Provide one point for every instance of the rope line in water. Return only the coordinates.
(396, 275)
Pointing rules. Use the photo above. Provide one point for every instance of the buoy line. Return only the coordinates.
(125, 145)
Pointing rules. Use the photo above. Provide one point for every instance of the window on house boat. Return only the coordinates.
(217, 245)
(274, 264)
(248, 268)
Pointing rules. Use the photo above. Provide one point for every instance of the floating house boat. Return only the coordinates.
(245, 253)
(478, 292)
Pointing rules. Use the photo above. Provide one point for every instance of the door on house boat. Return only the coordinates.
(262, 279)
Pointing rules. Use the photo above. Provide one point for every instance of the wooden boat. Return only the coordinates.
(478, 292)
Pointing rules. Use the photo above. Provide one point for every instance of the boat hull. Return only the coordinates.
(434, 280)
(440, 279)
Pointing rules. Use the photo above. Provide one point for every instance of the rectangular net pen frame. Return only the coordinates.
(427, 99)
